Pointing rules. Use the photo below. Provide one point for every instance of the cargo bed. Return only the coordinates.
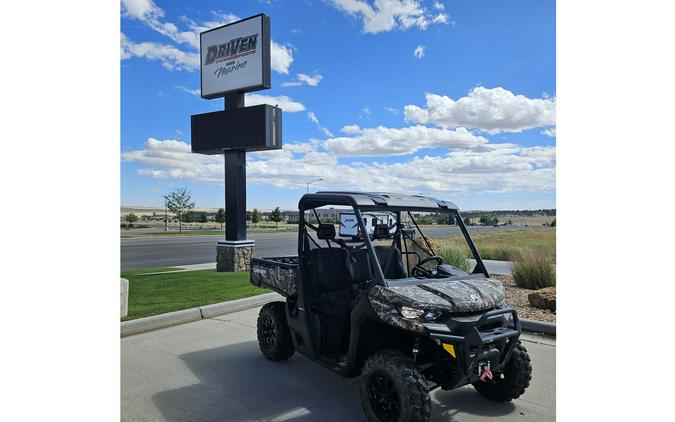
(278, 273)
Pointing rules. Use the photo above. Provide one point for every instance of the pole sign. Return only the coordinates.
(236, 57)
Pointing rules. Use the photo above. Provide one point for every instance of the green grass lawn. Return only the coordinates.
(507, 245)
(160, 293)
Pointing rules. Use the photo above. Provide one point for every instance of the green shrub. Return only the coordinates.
(534, 271)
(454, 256)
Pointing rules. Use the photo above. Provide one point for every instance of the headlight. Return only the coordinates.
(412, 313)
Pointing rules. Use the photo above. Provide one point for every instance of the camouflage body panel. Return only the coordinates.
(468, 295)
(277, 273)
(389, 314)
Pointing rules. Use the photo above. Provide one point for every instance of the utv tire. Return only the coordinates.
(517, 376)
(274, 336)
(393, 389)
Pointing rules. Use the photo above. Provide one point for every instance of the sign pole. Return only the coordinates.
(235, 182)
(235, 59)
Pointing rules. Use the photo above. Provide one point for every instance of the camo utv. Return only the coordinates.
(388, 308)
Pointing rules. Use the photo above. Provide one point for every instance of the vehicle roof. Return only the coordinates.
(375, 199)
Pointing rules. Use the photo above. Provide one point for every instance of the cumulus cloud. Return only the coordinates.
(312, 117)
(281, 57)
(384, 141)
(497, 168)
(287, 104)
(303, 79)
(492, 110)
(419, 51)
(386, 15)
(169, 56)
(438, 5)
(549, 132)
(147, 12)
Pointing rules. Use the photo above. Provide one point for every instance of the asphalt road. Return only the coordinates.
(153, 252)
(212, 370)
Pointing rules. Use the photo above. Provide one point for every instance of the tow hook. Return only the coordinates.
(487, 374)
(484, 371)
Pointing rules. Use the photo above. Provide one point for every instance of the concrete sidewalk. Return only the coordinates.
(212, 370)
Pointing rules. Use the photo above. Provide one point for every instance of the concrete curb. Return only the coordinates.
(141, 325)
(239, 304)
(538, 326)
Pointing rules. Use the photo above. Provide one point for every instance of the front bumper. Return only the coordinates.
(476, 341)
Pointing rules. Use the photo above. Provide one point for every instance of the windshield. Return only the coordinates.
(400, 243)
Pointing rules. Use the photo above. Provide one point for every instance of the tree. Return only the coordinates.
(179, 203)
(202, 218)
(553, 223)
(255, 216)
(131, 218)
(484, 220)
(276, 217)
(467, 221)
(220, 217)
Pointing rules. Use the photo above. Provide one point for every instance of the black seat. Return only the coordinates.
(332, 276)
(361, 263)
(391, 262)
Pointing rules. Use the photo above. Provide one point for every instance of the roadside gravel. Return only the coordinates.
(517, 298)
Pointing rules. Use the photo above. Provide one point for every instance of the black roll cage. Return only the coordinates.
(312, 204)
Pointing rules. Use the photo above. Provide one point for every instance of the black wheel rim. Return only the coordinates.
(383, 396)
(268, 335)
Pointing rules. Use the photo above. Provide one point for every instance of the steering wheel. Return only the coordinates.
(419, 271)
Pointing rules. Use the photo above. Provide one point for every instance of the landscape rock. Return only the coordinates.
(543, 298)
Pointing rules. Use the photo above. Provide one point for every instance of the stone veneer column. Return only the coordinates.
(234, 255)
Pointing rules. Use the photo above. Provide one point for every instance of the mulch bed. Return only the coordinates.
(516, 297)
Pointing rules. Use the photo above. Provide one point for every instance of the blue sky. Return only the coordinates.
(446, 98)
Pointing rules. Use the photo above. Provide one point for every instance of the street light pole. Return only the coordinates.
(166, 221)
(310, 182)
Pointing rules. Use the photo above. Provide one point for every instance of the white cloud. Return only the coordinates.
(383, 141)
(438, 5)
(419, 51)
(492, 110)
(310, 80)
(196, 92)
(312, 117)
(549, 132)
(281, 57)
(386, 15)
(171, 57)
(141, 9)
(303, 79)
(392, 110)
(287, 104)
(497, 168)
(149, 13)
(442, 18)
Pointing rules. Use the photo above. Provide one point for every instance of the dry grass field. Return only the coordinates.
(508, 245)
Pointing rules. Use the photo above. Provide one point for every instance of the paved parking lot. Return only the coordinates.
(212, 370)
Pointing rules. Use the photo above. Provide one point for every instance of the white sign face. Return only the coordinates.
(235, 57)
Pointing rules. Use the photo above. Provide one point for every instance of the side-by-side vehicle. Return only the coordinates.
(384, 306)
